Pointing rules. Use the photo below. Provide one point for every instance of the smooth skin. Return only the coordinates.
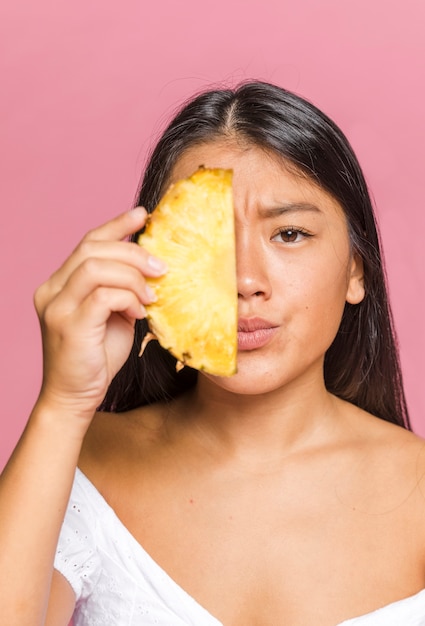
(294, 506)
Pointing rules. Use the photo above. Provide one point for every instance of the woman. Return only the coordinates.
(290, 493)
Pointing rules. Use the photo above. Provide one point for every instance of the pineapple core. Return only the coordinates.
(192, 230)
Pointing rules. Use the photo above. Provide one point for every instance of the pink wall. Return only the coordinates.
(86, 85)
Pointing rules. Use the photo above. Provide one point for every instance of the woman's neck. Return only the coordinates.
(258, 429)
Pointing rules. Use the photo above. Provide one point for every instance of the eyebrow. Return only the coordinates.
(289, 207)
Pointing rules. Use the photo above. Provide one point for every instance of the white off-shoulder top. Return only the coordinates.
(117, 583)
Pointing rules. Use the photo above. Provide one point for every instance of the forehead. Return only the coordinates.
(261, 178)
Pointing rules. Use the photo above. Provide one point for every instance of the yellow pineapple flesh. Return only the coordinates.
(192, 230)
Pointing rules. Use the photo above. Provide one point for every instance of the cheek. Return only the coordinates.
(314, 293)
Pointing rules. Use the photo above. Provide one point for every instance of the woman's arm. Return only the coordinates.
(87, 311)
(61, 602)
(34, 491)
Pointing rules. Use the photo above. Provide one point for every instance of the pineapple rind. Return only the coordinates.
(195, 315)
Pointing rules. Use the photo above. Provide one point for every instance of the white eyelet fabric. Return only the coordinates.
(117, 583)
(114, 579)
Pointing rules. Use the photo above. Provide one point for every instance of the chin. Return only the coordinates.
(248, 381)
(257, 377)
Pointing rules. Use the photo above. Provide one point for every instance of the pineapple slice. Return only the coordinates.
(192, 230)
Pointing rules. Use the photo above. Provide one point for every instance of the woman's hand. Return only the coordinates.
(87, 312)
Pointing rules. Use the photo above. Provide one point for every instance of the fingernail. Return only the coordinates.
(151, 294)
(156, 264)
(138, 212)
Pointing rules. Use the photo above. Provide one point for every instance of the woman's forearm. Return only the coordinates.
(87, 311)
(34, 491)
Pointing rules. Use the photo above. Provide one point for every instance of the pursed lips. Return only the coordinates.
(254, 332)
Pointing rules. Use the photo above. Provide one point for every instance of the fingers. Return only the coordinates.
(109, 241)
(106, 243)
(119, 227)
(101, 304)
(121, 251)
(82, 323)
(88, 309)
(98, 274)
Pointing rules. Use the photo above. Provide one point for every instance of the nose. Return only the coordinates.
(251, 267)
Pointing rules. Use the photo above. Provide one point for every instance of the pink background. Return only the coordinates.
(87, 85)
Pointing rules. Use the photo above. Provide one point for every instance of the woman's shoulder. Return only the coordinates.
(380, 434)
(390, 454)
(119, 439)
(373, 428)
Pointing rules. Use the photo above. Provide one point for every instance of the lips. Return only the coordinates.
(254, 333)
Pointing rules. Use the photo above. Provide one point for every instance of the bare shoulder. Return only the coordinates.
(116, 439)
(388, 450)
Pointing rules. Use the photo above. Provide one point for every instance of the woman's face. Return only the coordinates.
(295, 269)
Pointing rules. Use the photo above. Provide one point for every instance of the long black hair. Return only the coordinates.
(362, 364)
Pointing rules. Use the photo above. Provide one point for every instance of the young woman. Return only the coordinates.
(290, 493)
